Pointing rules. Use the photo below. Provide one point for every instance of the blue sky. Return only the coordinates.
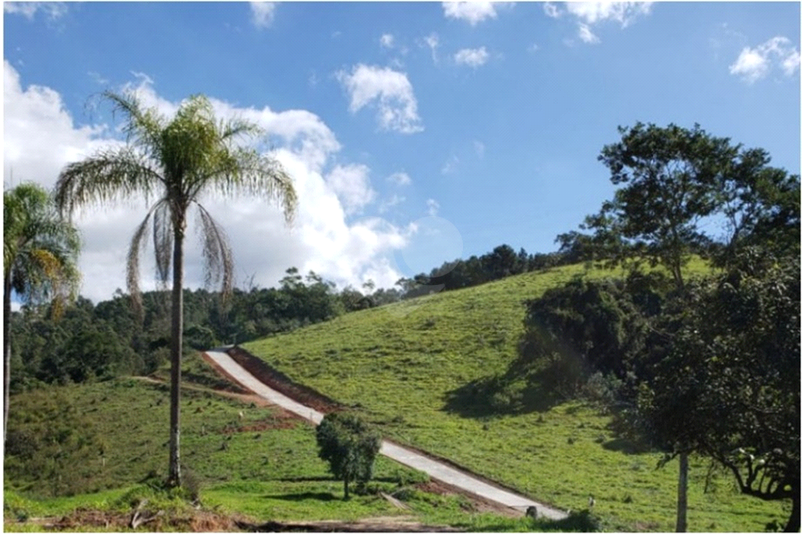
(416, 132)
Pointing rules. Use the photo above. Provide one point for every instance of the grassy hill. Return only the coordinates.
(408, 368)
(93, 451)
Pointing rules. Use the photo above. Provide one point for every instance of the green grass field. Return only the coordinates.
(261, 467)
(403, 365)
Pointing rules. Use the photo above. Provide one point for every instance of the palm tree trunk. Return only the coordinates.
(682, 494)
(177, 330)
(6, 349)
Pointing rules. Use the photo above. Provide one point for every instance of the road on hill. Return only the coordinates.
(436, 469)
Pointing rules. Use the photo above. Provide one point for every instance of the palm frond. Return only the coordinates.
(243, 171)
(163, 240)
(40, 250)
(143, 127)
(218, 260)
(132, 264)
(111, 175)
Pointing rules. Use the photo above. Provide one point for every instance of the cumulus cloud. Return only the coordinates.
(389, 91)
(471, 12)
(622, 12)
(551, 10)
(51, 10)
(756, 63)
(586, 35)
(351, 184)
(262, 13)
(588, 14)
(41, 137)
(387, 40)
(472, 57)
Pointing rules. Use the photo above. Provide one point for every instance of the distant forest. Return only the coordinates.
(99, 341)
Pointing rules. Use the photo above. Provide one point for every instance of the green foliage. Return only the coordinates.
(402, 376)
(673, 182)
(350, 447)
(52, 442)
(729, 386)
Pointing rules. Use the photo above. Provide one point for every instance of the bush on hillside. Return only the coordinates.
(350, 446)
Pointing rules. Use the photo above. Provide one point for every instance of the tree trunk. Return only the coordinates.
(345, 483)
(682, 494)
(793, 521)
(6, 349)
(176, 334)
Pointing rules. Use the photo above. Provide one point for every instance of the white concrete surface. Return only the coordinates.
(436, 469)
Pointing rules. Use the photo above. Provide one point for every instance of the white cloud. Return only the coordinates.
(586, 35)
(51, 10)
(389, 91)
(756, 63)
(39, 134)
(479, 148)
(473, 57)
(262, 13)
(471, 12)
(588, 14)
(392, 201)
(551, 10)
(432, 41)
(41, 137)
(387, 40)
(352, 185)
(450, 166)
(400, 179)
(432, 207)
(623, 12)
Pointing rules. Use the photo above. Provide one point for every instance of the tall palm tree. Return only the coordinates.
(176, 161)
(40, 252)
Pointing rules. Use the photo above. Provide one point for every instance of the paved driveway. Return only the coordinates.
(437, 470)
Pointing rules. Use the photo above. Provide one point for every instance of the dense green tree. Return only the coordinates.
(729, 385)
(668, 179)
(40, 252)
(176, 160)
(349, 445)
(673, 179)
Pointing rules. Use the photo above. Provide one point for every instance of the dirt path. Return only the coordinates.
(436, 469)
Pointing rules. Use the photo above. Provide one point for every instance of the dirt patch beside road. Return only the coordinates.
(281, 383)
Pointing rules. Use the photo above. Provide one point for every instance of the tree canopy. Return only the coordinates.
(40, 255)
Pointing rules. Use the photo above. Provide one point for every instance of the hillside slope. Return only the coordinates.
(409, 367)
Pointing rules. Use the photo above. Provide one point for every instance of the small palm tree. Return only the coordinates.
(40, 252)
(176, 160)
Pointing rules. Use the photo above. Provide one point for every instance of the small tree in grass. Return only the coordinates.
(350, 446)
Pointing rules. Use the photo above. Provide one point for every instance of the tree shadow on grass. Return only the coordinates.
(329, 479)
(511, 393)
(302, 496)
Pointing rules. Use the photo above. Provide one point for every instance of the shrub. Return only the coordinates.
(350, 446)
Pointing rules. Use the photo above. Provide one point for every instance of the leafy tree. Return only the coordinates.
(40, 252)
(178, 160)
(669, 180)
(349, 445)
(729, 386)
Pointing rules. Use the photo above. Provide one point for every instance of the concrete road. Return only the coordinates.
(436, 470)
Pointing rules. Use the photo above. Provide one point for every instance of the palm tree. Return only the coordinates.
(40, 252)
(176, 160)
